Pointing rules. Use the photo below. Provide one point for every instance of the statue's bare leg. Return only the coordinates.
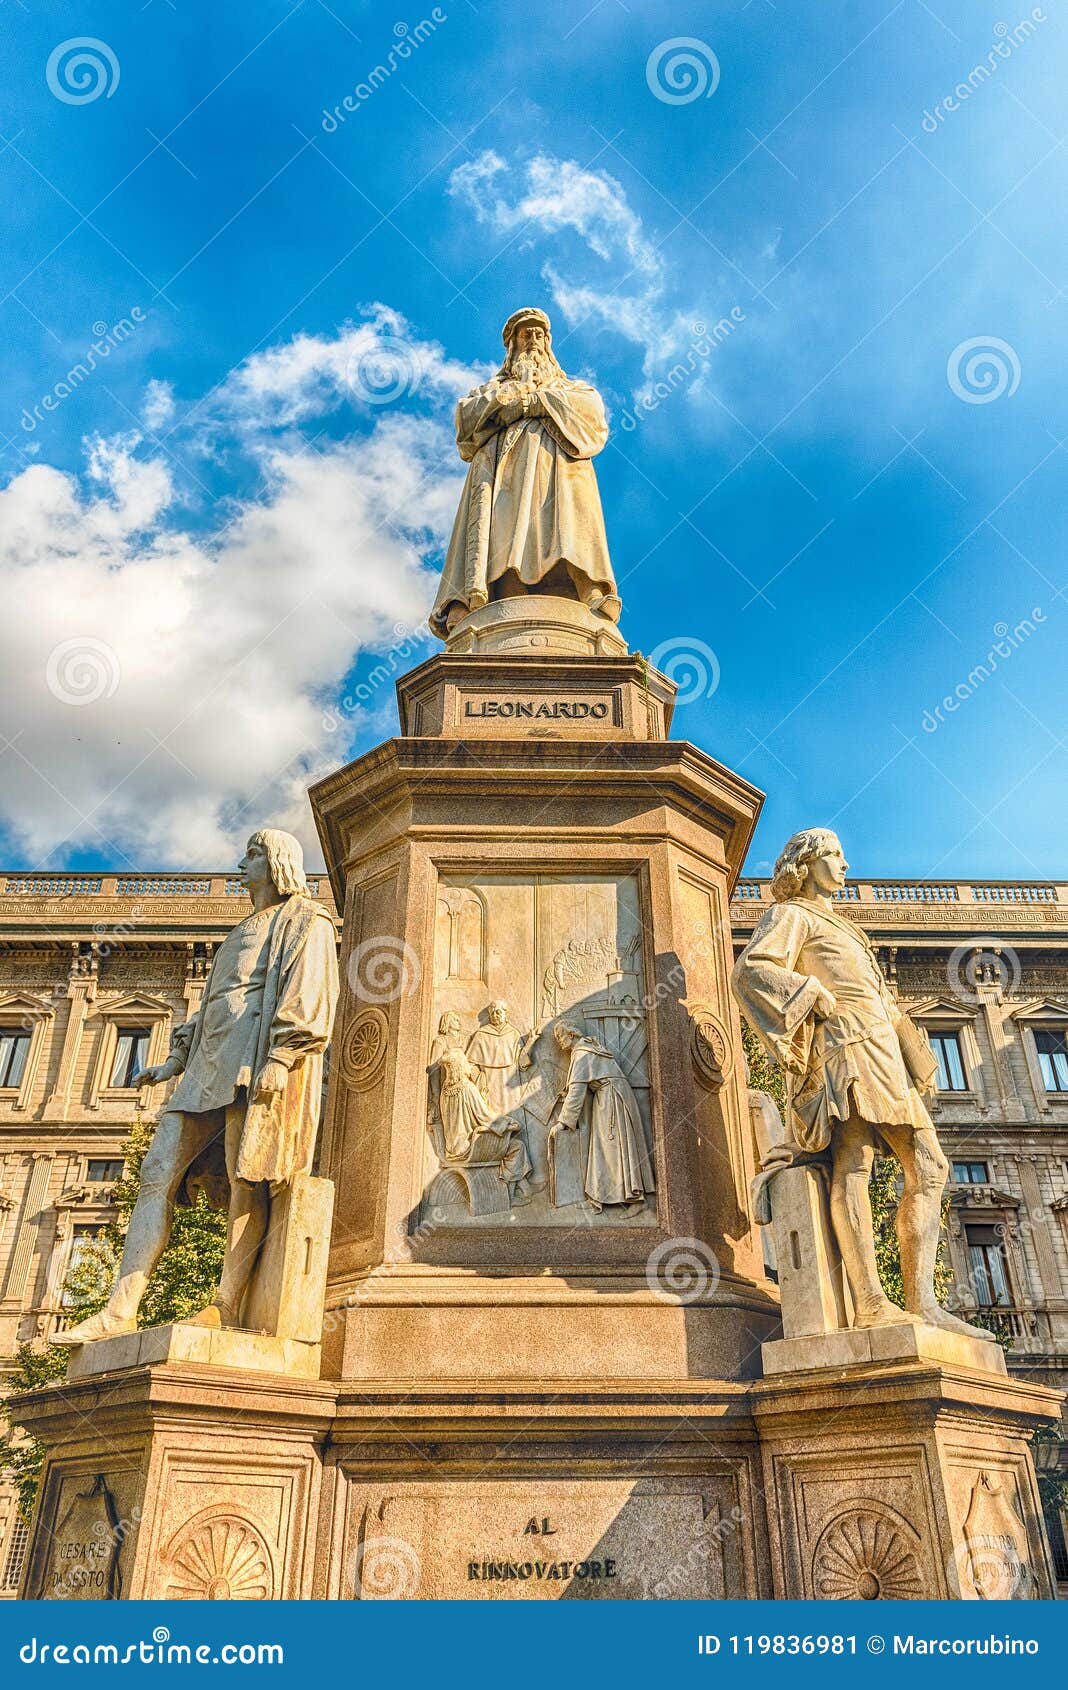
(919, 1216)
(249, 1211)
(177, 1141)
(853, 1153)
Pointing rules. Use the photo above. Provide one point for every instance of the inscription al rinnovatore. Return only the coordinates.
(556, 710)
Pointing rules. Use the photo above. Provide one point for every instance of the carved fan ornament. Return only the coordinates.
(864, 1557)
(219, 1560)
(363, 1048)
(710, 1046)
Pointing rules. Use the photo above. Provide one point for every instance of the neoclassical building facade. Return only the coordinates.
(95, 969)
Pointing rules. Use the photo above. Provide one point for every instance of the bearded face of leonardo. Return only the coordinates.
(529, 357)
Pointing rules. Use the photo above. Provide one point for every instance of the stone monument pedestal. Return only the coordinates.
(181, 1480)
(543, 1345)
(903, 1477)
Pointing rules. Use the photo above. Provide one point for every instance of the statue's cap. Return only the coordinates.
(526, 314)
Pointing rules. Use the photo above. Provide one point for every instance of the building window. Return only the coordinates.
(946, 1048)
(131, 1055)
(990, 1276)
(1058, 1548)
(970, 1173)
(104, 1170)
(1052, 1046)
(16, 1554)
(81, 1254)
(14, 1049)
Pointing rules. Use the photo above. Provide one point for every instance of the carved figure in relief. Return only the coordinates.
(857, 1070)
(618, 1168)
(449, 1036)
(530, 517)
(499, 1051)
(251, 1062)
(480, 1145)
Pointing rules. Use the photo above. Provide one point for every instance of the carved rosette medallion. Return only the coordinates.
(363, 1049)
(864, 1557)
(218, 1559)
(710, 1046)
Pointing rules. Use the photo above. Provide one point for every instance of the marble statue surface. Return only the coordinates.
(857, 1070)
(244, 1114)
(530, 519)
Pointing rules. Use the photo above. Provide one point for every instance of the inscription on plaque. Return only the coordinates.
(83, 1558)
(586, 1540)
(538, 709)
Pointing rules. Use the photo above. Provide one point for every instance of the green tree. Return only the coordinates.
(184, 1281)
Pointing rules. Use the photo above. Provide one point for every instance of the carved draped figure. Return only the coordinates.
(270, 996)
(853, 1060)
(530, 500)
(618, 1165)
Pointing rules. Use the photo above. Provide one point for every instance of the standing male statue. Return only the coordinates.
(856, 1067)
(530, 516)
(251, 1062)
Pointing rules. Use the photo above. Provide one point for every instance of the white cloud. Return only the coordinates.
(166, 686)
(158, 407)
(554, 194)
(550, 196)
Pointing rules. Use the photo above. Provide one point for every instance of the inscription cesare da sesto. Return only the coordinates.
(535, 709)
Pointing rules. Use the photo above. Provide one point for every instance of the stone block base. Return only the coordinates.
(859, 1348)
(199, 1345)
(436, 1326)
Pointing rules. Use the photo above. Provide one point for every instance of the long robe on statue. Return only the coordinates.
(618, 1166)
(270, 996)
(530, 500)
(867, 1057)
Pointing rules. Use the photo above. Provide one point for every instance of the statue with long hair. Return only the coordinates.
(246, 1107)
(857, 1071)
(530, 518)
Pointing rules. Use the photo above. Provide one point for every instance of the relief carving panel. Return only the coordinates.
(538, 1093)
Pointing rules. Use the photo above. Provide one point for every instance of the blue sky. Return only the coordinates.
(836, 510)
